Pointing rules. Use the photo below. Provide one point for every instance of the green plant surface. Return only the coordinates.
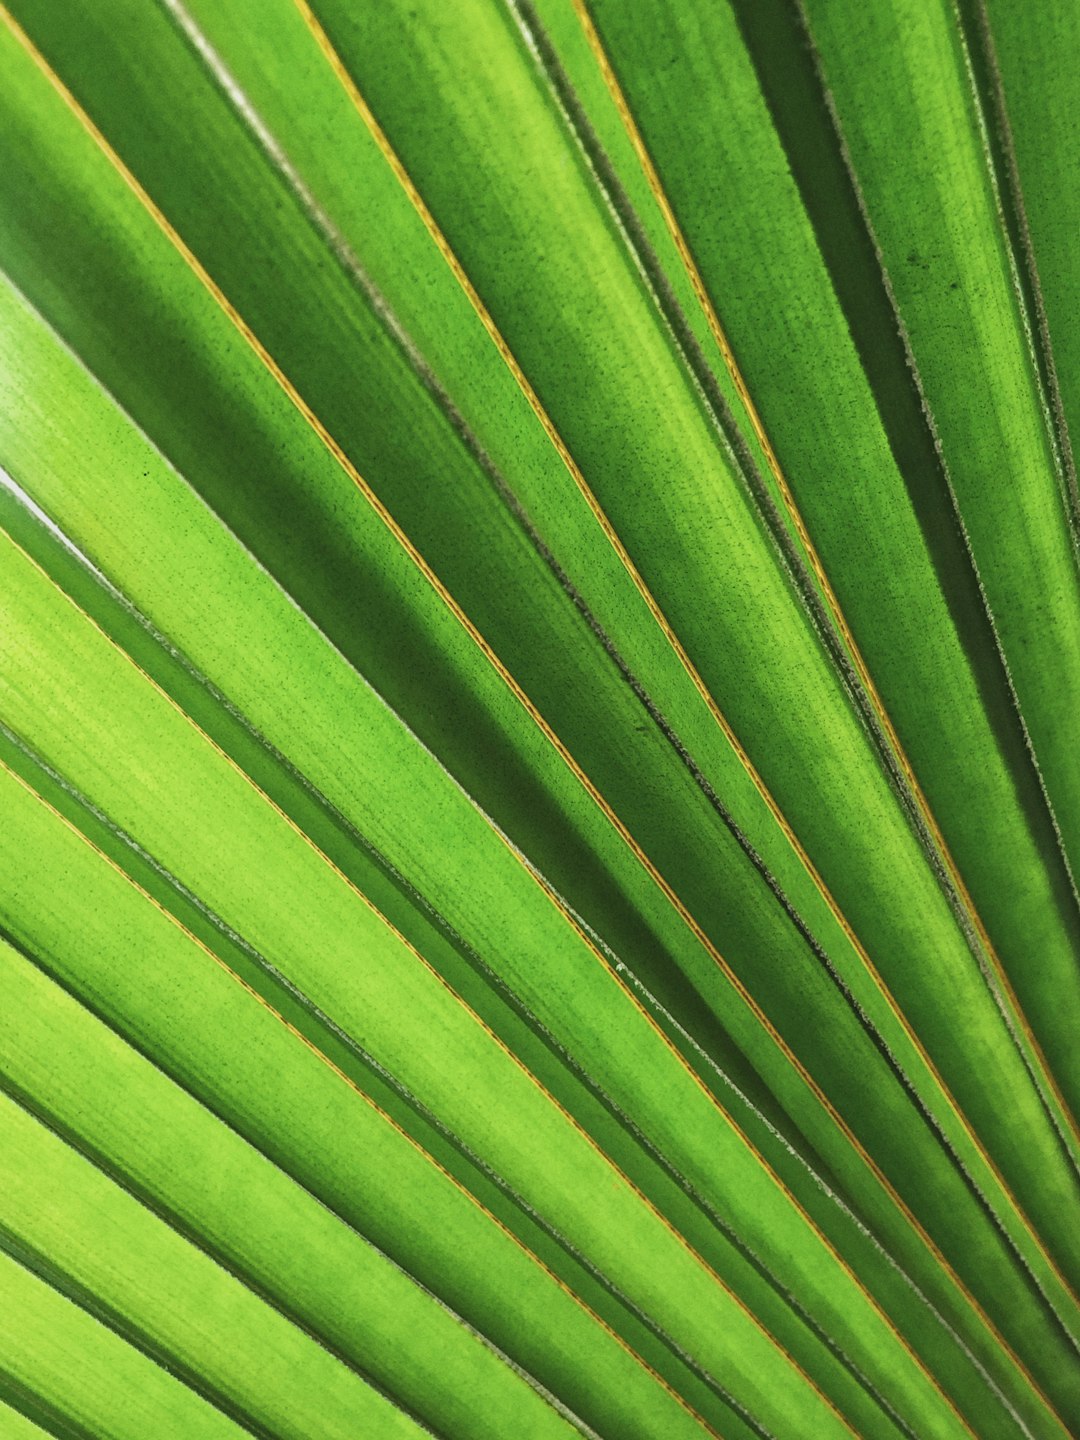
(539, 659)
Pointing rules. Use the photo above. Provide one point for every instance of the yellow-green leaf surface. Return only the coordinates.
(539, 678)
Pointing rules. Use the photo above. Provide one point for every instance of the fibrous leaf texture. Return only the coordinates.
(539, 719)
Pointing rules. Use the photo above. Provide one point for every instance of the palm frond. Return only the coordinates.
(538, 719)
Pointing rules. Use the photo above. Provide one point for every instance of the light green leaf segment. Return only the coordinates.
(539, 692)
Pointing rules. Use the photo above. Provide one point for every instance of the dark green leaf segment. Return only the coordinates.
(539, 695)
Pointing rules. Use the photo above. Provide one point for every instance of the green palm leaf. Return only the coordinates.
(540, 675)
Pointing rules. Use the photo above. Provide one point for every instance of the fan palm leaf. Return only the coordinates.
(538, 719)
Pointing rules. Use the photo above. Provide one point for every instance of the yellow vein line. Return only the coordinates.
(451, 259)
(336, 450)
(794, 514)
(425, 964)
(342, 1075)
